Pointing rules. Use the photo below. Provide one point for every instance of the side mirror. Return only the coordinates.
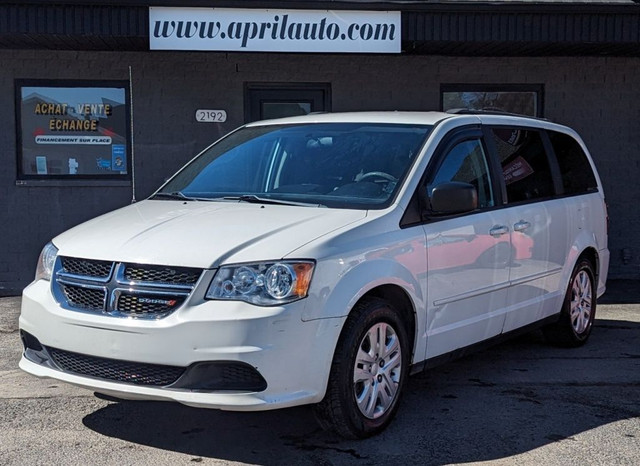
(452, 198)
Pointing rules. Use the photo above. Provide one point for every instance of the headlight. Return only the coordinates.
(263, 284)
(45, 262)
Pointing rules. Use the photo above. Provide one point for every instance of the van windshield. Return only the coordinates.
(343, 165)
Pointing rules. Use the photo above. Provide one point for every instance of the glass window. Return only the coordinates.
(73, 129)
(525, 166)
(467, 163)
(577, 175)
(264, 101)
(272, 110)
(344, 165)
(515, 98)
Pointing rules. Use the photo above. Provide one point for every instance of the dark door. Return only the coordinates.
(267, 101)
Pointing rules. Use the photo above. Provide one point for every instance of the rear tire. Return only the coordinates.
(578, 310)
(369, 370)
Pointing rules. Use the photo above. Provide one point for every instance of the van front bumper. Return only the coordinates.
(224, 354)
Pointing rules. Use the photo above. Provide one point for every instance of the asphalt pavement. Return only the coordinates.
(521, 402)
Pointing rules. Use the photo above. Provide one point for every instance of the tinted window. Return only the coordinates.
(344, 165)
(525, 166)
(577, 176)
(466, 162)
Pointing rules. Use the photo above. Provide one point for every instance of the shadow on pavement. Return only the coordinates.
(507, 400)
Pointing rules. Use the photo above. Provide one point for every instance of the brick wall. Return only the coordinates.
(596, 96)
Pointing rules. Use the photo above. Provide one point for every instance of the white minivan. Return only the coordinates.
(321, 260)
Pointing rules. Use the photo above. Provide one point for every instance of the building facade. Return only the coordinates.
(96, 114)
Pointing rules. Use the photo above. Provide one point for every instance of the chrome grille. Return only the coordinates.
(121, 290)
(85, 298)
(114, 369)
(147, 305)
(90, 268)
(166, 275)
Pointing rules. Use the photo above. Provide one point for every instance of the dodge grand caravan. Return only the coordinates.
(321, 260)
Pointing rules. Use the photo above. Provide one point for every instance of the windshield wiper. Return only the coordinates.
(252, 198)
(175, 195)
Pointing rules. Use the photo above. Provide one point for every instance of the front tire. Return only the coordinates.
(368, 372)
(578, 310)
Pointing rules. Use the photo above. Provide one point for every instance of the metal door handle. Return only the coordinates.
(521, 225)
(498, 230)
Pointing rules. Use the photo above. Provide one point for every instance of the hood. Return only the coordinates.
(200, 234)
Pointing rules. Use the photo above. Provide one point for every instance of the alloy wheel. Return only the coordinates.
(377, 370)
(581, 302)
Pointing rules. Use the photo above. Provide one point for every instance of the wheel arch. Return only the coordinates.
(337, 410)
(583, 247)
(398, 297)
(381, 279)
(591, 254)
(573, 330)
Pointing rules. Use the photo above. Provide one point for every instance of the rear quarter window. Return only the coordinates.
(577, 175)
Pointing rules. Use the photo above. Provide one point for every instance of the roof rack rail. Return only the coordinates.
(468, 111)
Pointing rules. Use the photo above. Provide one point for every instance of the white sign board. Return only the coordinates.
(211, 116)
(249, 30)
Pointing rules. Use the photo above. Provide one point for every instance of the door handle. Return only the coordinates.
(498, 230)
(521, 225)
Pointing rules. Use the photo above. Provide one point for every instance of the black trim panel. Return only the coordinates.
(204, 376)
(476, 347)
